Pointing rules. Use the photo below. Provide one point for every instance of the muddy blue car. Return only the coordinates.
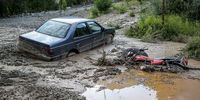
(59, 37)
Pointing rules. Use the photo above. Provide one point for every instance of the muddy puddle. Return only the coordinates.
(138, 85)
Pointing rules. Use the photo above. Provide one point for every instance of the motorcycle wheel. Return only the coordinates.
(176, 69)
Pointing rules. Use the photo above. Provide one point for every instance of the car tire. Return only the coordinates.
(70, 54)
(109, 39)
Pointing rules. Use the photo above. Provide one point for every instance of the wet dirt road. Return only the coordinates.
(23, 76)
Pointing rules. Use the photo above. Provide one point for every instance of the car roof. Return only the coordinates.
(71, 20)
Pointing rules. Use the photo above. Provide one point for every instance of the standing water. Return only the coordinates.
(138, 85)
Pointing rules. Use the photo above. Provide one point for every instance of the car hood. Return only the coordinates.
(42, 38)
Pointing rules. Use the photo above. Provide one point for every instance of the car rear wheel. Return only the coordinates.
(71, 54)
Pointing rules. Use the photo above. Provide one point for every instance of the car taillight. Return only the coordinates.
(50, 51)
(47, 51)
(186, 61)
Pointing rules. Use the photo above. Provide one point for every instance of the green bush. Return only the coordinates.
(191, 8)
(193, 48)
(103, 5)
(12, 7)
(94, 13)
(116, 26)
(132, 14)
(175, 29)
(120, 8)
(132, 2)
(62, 5)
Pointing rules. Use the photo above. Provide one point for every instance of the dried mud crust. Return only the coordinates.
(16, 77)
(103, 73)
(24, 86)
(34, 92)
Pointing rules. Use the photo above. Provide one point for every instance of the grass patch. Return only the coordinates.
(116, 26)
(132, 2)
(193, 48)
(132, 14)
(174, 29)
(94, 12)
(120, 8)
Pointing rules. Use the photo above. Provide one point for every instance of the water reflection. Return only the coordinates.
(129, 93)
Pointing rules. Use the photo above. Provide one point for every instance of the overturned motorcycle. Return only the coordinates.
(136, 56)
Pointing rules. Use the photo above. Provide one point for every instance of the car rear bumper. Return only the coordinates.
(24, 47)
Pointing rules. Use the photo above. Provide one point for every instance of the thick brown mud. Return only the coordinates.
(22, 76)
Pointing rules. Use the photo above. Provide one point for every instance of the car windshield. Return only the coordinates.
(54, 28)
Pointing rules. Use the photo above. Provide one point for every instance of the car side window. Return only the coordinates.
(94, 27)
(81, 30)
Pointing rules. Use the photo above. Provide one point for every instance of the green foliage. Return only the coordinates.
(140, 1)
(62, 5)
(12, 7)
(118, 0)
(191, 8)
(193, 48)
(132, 2)
(94, 13)
(127, 1)
(120, 8)
(132, 14)
(175, 29)
(77, 2)
(143, 10)
(103, 5)
(116, 26)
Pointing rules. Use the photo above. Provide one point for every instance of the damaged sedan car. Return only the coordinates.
(59, 37)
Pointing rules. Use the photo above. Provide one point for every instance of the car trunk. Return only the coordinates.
(33, 47)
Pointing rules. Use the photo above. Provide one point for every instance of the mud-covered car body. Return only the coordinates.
(81, 34)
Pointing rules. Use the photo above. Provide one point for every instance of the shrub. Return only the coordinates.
(120, 9)
(193, 48)
(12, 7)
(132, 14)
(189, 7)
(175, 28)
(140, 1)
(94, 13)
(116, 26)
(103, 5)
(62, 5)
(132, 2)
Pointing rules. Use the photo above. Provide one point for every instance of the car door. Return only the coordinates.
(96, 30)
(82, 37)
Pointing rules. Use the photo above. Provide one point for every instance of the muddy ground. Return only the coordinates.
(22, 76)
